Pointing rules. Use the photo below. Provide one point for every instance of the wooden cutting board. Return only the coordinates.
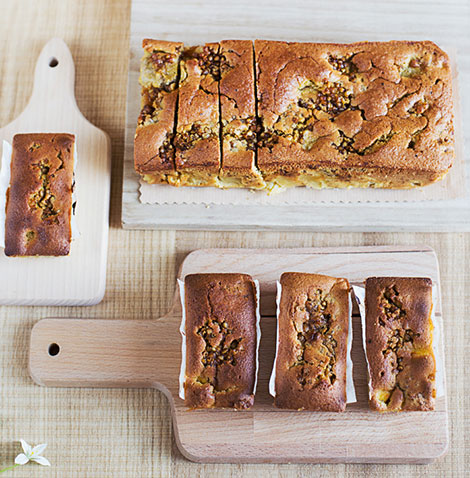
(198, 22)
(80, 278)
(146, 353)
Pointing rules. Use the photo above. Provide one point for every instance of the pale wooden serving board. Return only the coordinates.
(147, 353)
(300, 20)
(80, 278)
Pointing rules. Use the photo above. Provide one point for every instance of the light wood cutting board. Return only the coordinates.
(147, 353)
(299, 20)
(80, 278)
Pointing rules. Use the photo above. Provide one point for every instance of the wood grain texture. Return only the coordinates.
(80, 277)
(147, 354)
(127, 433)
(300, 20)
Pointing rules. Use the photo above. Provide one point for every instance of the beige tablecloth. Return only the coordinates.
(127, 433)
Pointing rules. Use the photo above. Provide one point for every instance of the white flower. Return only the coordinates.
(32, 454)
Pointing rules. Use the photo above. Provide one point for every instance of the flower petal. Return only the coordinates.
(41, 460)
(38, 449)
(21, 459)
(26, 447)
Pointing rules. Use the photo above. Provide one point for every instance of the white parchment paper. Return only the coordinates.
(360, 293)
(4, 183)
(350, 389)
(73, 220)
(258, 332)
(182, 375)
(183, 340)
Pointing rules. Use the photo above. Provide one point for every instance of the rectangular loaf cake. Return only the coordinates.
(39, 199)
(154, 155)
(354, 115)
(313, 325)
(221, 340)
(368, 114)
(399, 351)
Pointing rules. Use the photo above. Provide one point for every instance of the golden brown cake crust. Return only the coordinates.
(221, 340)
(238, 115)
(153, 143)
(171, 47)
(384, 109)
(399, 343)
(39, 199)
(312, 349)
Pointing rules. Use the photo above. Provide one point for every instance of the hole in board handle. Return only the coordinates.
(54, 350)
(53, 62)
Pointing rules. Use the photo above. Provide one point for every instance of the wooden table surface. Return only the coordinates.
(127, 433)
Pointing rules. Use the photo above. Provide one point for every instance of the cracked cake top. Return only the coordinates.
(385, 104)
(313, 325)
(221, 338)
(39, 199)
(399, 343)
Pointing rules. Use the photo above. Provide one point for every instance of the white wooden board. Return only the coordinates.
(147, 354)
(80, 278)
(301, 20)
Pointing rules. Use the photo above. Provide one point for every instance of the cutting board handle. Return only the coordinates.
(54, 79)
(105, 353)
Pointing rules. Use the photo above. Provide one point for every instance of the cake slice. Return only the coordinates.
(39, 199)
(402, 368)
(238, 116)
(154, 155)
(221, 340)
(313, 324)
(197, 139)
(364, 114)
